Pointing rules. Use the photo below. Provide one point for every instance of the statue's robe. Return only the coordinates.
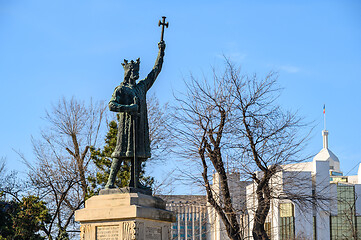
(122, 98)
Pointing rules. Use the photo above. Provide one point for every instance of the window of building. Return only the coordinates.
(344, 224)
(192, 222)
(338, 179)
(286, 210)
(267, 228)
(287, 221)
(336, 173)
(358, 227)
(314, 228)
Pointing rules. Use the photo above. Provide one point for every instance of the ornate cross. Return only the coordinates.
(163, 24)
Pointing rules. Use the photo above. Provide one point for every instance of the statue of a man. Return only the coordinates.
(129, 101)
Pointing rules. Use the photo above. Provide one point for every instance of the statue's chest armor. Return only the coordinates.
(126, 95)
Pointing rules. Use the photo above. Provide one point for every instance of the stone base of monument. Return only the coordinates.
(121, 215)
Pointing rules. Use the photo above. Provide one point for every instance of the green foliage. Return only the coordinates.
(22, 220)
(62, 235)
(103, 161)
(5, 220)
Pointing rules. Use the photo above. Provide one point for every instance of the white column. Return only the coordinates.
(186, 215)
(192, 216)
(179, 219)
(325, 138)
(170, 208)
(200, 223)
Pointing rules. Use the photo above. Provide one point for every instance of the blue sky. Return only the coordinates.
(51, 49)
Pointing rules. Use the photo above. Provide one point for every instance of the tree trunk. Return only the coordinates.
(264, 202)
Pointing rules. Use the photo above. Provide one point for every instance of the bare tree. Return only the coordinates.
(10, 186)
(238, 116)
(203, 116)
(161, 143)
(159, 133)
(59, 174)
(269, 137)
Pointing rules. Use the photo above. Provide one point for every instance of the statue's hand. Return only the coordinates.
(161, 46)
(133, 108)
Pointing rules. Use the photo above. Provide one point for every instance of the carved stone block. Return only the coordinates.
(127, 216)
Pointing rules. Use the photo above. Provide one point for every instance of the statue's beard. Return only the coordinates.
(131, 80)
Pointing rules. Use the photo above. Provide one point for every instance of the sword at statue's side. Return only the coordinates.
(134, 162)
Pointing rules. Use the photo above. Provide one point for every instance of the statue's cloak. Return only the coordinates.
(123, 96)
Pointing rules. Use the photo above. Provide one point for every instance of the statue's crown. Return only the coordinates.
(131, 65)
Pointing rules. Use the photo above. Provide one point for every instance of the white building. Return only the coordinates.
(196, 219)
(216, 228)
(336, 216)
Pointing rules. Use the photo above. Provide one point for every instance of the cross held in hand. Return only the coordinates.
(163, 24)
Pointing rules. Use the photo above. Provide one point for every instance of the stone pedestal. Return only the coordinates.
(116, 215)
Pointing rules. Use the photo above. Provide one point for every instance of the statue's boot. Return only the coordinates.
(138, 168)
(132, 175)
(113, 172)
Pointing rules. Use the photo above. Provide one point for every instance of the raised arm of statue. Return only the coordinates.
(115, 103)
(152, 76)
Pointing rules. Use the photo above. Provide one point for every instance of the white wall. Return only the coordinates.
(300, 184)
(323, 187)
(251, 206)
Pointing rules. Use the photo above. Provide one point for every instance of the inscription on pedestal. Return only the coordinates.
(107, 233)
(153, 233)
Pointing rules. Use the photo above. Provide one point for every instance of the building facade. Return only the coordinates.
(336, 215)
(192, 216)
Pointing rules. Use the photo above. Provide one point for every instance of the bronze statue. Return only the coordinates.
(129, 101)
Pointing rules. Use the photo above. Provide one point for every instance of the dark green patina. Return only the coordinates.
(129, 101)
